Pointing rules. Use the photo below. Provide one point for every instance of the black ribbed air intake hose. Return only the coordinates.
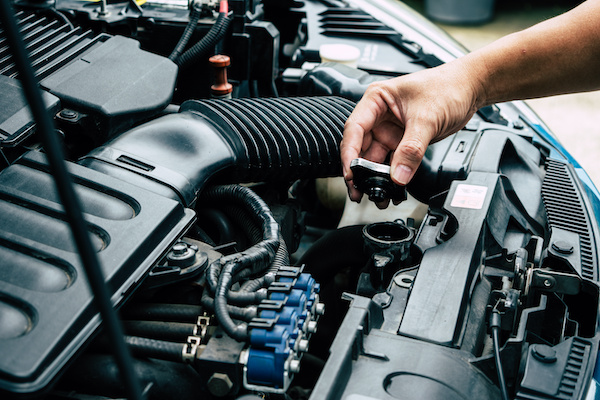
(238, 140)
(281, 138)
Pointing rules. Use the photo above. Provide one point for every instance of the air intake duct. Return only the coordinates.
(241, 140)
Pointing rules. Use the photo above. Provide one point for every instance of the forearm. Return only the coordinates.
(561, 55)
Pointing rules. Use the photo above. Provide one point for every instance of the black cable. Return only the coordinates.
(69, 200)
(224, 272)
(187, 33)
(240, 313)
(236, 331)
(62, 17)
(204, 46)
(495, 327)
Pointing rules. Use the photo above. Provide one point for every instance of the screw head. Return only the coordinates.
(68, 114)
(179, 249)
(219, 384)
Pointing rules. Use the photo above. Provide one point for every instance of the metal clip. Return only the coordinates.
(201, 328)
(188, 353)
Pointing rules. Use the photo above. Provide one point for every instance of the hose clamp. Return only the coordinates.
(188, 354)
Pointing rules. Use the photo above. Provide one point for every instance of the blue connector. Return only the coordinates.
(278, 337)
(268, 355)
(293, 298)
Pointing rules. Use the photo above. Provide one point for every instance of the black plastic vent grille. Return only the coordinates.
(571, 379)
(352, 22)
(576, 373)
(51, 44)
(565, 210)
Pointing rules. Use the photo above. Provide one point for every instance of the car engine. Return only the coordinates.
(203, 141)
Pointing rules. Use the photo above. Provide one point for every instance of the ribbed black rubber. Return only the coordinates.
(281, 138)
(566, 210)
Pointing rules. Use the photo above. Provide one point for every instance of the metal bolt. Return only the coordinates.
(547, 283)
(518, 125)
(219, 384)
(180, 249)
(68, 114)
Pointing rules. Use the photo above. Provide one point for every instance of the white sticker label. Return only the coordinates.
(469, 196)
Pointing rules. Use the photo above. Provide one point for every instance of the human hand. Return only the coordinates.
(403, 115)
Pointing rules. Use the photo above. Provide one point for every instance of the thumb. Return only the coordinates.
(409, 153)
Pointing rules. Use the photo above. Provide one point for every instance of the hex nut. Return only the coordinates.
(219, 384)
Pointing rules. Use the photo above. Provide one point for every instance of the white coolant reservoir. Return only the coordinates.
(340, 53)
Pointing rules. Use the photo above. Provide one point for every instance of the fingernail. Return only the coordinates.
(402, 174)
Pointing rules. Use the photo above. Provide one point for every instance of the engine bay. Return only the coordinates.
(211, 192)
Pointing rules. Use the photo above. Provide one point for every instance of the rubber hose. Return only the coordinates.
(187, 33)
(323, 260)
(219, 221)
(207, 43)
(163, 312)
(279, 139)
(237, 140)
(169, 331)
(151, 348)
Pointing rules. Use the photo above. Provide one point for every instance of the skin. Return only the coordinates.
(401, 116)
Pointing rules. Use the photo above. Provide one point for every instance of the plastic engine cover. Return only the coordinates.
(46, 307)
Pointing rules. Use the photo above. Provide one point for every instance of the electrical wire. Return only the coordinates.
(187, 32)
(495, 327)
(216, 33)
(69, 200)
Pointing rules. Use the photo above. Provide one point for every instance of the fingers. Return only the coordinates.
(410, 152)
(350, 147)
(369, 112)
